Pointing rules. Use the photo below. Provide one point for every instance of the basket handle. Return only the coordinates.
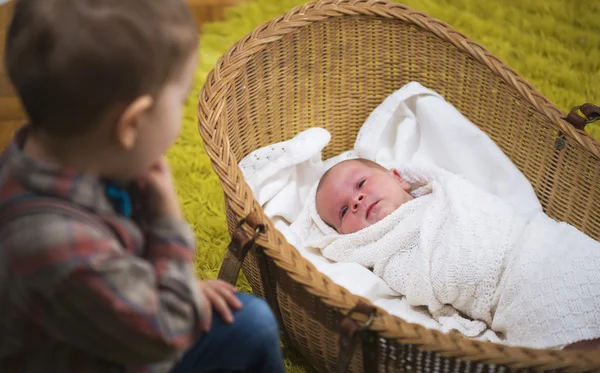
(591, 113)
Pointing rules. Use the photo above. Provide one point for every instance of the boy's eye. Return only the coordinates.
(344, 211)
(360, 184)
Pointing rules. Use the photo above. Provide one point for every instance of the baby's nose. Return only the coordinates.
(358, 201)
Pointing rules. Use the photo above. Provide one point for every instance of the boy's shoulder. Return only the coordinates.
(19, 203)
(55, 206)
(33, 224)
(31, 209)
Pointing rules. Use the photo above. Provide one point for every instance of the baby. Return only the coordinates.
(357, 193)
(458, 249)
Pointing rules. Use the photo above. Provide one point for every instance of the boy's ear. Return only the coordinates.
(396, 174)
(130, 122)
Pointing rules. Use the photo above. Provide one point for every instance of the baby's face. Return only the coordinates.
(354, 196)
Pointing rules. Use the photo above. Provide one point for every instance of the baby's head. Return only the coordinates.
(109, 75)
(357, 193)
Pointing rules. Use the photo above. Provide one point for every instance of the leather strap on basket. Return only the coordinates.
(591, 113)
(237, 250)
(239, 247)
(270, 291)
(351, 333)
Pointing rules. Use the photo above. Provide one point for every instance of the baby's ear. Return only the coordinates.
(397, 176)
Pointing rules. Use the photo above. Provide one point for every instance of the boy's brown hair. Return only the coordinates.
(78, 63)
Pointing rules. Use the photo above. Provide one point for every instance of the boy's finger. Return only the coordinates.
(206, 321)
(231, 299)
(163, 164)
(156, 166)
(220, 305)
(227, 285)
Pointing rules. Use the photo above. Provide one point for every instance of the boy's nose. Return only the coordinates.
(357, 202)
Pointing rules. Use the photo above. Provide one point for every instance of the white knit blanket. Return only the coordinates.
(461, 250)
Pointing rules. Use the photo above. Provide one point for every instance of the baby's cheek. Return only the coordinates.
(354, 225)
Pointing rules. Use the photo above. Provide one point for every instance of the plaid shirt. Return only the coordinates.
(83, 288)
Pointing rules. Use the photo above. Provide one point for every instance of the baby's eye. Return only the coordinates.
(360, 184)
(344, 211)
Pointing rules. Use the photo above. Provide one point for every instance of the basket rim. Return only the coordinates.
(285, 255)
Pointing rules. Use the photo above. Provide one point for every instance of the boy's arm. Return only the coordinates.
(87, 291)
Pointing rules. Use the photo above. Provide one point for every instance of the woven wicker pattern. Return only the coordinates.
(329, 64)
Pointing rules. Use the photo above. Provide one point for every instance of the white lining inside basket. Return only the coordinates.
(414, 125)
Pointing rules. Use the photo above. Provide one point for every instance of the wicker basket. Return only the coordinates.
(329, 64)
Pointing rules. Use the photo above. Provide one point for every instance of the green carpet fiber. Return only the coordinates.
(553, 44)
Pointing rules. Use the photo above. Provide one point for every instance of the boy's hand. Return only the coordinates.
(221, 297)
(160, 190)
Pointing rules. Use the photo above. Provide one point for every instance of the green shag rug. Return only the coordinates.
(553, 44)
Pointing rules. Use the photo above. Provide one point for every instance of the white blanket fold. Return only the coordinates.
(461, 249)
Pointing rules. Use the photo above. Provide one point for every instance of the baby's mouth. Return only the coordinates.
(370, 209)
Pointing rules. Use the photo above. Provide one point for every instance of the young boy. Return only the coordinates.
(96, 263)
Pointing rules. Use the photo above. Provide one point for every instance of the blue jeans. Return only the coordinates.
(250, 344)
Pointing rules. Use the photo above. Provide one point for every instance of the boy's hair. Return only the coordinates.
(78, 63)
